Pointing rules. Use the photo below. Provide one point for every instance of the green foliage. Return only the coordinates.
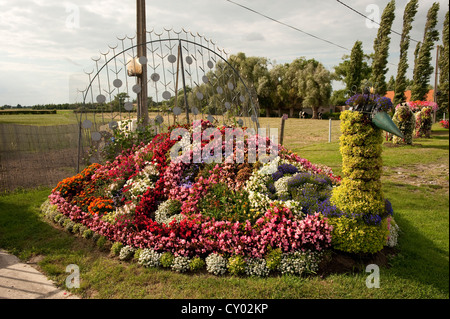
(381, 49)
(87, 234)
(125, 138)
(354, 236)
(116, 247)
(443, 88)
(355, 71)
(101, 242)
(196, 264)
(137, 254)
(406, 122)
(273, 259)
(422, 64)
(223, 203)
(57, 217)
(236, 265)
(76, 228)
(68, 225)
(167, 259)
(400, 80)
(359, 196)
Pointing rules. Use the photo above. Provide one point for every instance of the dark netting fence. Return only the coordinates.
(32, 156)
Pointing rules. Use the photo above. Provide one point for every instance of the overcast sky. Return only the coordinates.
(45, 43)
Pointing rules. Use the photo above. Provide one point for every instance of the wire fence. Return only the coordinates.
(32, 156)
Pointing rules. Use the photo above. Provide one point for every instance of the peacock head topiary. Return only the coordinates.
(376, 108)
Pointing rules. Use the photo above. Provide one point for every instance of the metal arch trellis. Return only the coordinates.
(211, 86)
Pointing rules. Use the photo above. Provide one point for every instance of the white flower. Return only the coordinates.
(270, 168)
(256, 267)
(216, 264)
(392, 239)
(149, 258)
(180, 264)
(162, 214)
(150, 169)
(299, 262)
(139, 184)
(126, 253)
(281, 186)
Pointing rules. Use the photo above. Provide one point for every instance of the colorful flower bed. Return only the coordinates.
(405, 120)
(444, 123)
(243, 218)
(422, 122)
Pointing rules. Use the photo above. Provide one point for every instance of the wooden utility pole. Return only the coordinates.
(142, 109)
(435, 81)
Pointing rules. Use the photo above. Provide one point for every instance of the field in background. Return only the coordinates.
(42, 149)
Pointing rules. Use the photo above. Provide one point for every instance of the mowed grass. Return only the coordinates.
(420, 270)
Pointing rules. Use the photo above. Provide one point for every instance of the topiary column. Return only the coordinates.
(405, 120)
(362, 228)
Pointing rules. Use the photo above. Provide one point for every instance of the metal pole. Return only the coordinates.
(435, 82)
(184, 83)
(142, 52)
(282, 129)
(329, 131)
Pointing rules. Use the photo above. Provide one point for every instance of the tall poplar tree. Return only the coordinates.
(381, 48)
(400, 80)
(443, 97)
(423, 68)
(355, 70)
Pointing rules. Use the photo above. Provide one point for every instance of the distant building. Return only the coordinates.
(430, 95)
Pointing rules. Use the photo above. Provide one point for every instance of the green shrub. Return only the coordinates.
(116, 247)
(167, 259)
(63, 220)
(360, 196)
(101, 242)
(87, 234)
(57, 217)
(196, 264)
(82, 229)
(355, 236)
(68, 224)
(405, 120)
(76, 228)
(273, 259)
(95, 236)
(126, 253)
(236, 265)
(137, 254)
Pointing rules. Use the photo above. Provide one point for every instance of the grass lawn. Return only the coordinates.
(420, 270)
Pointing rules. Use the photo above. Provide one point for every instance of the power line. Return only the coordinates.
(289, 26)
(356, 11)
(299, 30)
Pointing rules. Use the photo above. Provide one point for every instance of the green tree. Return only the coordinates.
(423, 68)
(338, 97)
(314, 86)
(443, 97)
(381, 48)
(355, 71)
(400, 80)
(390, 86)
(349, 71)
(119, 101)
